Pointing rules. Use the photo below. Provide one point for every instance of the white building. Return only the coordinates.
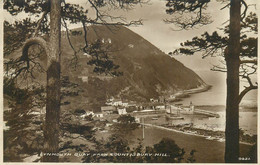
(137, 119)
(99, 115)
(124, 104)
(117, 102)
(109, 103)
(121, 111)
(159, 107)
(87, 55)
(154, 100)
(108, 124)
(172, 96)
(131, 46)
(88, 113)
(173, 109)
(108, 109)
(114, 120)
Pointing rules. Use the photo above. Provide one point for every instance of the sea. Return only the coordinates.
(207, 151)
(214, 100)
(217, 94)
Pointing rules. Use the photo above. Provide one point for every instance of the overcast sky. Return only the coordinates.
(162, 35)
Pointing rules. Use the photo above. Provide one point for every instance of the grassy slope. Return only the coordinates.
(148, 72)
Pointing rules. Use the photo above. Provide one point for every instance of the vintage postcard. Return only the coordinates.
(129, 81)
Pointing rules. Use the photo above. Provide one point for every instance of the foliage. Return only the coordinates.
(25, 121)
(18, 35)
(126, 119)
(116, 143)
(70, 13)
(24, 134)
(102, 62)
(239, 52)
(165, 146)
(191, 158)
(179, 9)
(253, 154)
(166, 151)
(124, 126)
(214, 44)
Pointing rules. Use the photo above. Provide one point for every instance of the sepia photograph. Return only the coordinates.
(129, 81)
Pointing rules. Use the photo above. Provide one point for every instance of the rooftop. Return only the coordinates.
(108, 108)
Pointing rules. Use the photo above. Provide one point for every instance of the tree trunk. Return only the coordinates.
(51, 131)
(232, 103)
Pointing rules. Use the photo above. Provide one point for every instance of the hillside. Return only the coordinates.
(147, 71)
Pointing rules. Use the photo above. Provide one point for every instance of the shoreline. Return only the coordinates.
(186, 93)
(191, 133)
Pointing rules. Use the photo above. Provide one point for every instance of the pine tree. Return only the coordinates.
(51, 29)
(234, 48)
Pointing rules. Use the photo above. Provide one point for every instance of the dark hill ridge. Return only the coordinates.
(147, 71)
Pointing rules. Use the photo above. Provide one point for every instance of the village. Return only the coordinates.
(113, 108)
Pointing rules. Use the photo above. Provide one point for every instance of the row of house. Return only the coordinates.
(107, 110)
(117, 106)
(119, 102)
(112, 109)
(153, 106)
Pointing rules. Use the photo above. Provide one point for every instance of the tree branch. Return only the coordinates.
(182, 8)
(39, 23)
(246, 75)
(34, 41)
(98, 14)
(225, 6)
(102, 22)
(244, 12)
(245, 91)
(249, 61)
(218, 69)
(85, 36)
